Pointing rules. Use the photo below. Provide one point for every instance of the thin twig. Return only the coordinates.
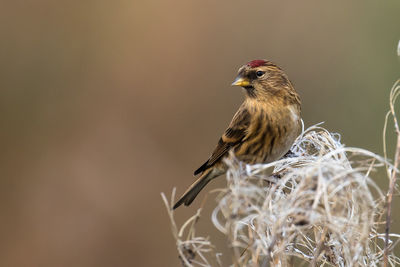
(394, 93)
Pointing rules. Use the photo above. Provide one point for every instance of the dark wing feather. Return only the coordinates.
(232, 136)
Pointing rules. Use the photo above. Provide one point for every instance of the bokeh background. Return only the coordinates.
(105, 104)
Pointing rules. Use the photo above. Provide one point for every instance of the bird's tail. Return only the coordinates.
(191, 193)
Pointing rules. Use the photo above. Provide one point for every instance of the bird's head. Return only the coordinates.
(263, 79)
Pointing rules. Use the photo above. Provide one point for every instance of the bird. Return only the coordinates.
(262, 130)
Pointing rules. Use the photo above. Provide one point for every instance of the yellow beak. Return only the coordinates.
(241, 82)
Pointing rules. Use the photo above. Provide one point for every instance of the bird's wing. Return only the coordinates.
(233, 135)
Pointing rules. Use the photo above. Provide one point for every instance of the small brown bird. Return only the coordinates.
(262, 130)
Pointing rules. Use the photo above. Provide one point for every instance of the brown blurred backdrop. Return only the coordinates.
(105, 104)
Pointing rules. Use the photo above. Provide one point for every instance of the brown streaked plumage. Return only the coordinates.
(261, 131)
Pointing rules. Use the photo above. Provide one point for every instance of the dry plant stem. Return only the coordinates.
(192, 245)
(394, 93)
(389, 201)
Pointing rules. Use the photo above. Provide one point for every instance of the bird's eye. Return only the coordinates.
(260, 73)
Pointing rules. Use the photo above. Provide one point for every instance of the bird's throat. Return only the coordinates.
(250, 91)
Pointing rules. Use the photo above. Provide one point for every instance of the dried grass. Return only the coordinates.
(316, 206)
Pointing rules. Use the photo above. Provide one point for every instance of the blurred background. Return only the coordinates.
(105, 104)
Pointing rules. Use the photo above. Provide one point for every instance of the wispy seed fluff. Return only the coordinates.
(318, 206)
